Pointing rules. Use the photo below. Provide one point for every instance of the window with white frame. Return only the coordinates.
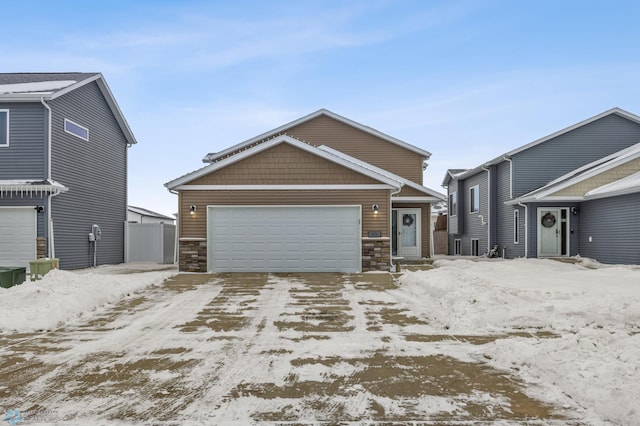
(76, 130)
(475, 247)
(4, 127)
(457, 247)
(474, 199)
(516, 226)
(453, 203)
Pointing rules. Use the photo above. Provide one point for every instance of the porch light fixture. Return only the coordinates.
(375, 208)
(192, 209)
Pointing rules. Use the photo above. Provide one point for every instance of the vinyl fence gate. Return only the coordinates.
(151, 242)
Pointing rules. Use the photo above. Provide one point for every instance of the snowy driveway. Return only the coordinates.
(268, 349)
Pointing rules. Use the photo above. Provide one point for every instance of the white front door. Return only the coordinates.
(406, 231)
(549, 232)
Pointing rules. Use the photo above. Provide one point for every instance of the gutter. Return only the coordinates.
(51, 250)
(488, 208)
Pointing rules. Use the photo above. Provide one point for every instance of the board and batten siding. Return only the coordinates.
(327, 131)
(95, 172)
(540, 164)
(283, 164)
(25, 157)
(614, 227)
(195, 226)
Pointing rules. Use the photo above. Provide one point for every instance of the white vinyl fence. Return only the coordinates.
(151, 242)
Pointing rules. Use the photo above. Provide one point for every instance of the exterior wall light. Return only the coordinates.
(192, 209)
(375, 208)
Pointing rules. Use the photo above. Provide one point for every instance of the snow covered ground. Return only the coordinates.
(594, 309)
(60, 296)
(591, 366)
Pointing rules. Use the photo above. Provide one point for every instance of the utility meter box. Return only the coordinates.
(97, 233)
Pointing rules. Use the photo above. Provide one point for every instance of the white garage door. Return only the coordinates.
(284, 239)
(17, 236)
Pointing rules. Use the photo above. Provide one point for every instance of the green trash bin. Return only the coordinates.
(39, 267)
(12, 275)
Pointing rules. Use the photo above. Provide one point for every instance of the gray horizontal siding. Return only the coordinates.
(541, 164)
(95, 173)
(25, 157)
(504, 218)
(473, 227)
(614, 225)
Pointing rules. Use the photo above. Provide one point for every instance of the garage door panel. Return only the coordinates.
(17, 236)
(279, 239)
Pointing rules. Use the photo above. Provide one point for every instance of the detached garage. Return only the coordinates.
(284, 238)
(17, 235)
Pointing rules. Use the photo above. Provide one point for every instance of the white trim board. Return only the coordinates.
(281, 187)
(172, 185)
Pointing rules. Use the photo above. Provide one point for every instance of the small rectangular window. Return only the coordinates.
(457, 246)
(474, 199)
(4, 127)
(475, 247)
(516, 226)
(76, 129)
(453, 203)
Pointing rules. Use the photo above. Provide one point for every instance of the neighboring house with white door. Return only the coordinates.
(63, 169)
(574, 192)
(322, 193)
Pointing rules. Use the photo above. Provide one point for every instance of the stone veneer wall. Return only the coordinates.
(376, 254)
(193, 256)
(41, 248)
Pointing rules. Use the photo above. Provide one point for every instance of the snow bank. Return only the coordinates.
(594, 312)
(62, 295)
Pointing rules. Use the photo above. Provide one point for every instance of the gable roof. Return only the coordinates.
(393, 176)
(253, 150)
(617, 111)
(216, 156)
(148, 213)
(451, 174)
(37, 87)
(627, 184)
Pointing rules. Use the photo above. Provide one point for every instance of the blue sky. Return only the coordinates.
(465, 80)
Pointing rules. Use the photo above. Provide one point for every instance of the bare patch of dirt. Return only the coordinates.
(476, 340)
(479, 392)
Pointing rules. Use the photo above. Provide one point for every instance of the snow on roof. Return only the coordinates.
(44, 87)
(31, 186)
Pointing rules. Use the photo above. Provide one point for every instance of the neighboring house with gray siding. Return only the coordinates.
(63, 169)
(574, 192)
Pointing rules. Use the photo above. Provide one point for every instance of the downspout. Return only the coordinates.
(51, 246)
(526, 229)
(488, 208)
(391, 226)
